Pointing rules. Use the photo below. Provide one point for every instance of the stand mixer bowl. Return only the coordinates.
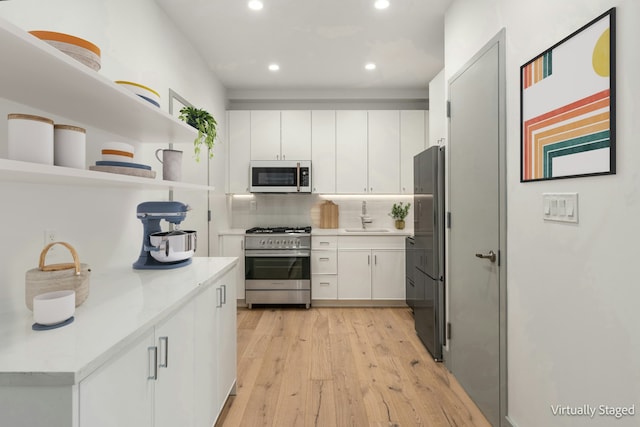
(173, 246)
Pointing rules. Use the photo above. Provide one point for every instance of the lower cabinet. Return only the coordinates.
(371, 274)
(233, 245)
(179, 373)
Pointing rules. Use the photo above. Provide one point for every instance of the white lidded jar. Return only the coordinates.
(69, 146)
(30, 138)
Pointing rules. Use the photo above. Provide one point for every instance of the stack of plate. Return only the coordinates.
(142, 91)
(117, 157)
(77, 48)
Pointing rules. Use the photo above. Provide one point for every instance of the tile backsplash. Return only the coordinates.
(268, 210)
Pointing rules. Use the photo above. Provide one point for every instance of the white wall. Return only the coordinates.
(139, 43)
(573, 335)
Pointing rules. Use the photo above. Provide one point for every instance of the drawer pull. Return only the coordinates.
(325, 243)
(324, 259)
(325, 284)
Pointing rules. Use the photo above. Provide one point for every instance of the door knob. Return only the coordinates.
(491, 256)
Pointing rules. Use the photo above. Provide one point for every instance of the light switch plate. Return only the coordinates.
(560, 207)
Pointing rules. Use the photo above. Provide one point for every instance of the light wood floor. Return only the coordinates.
(340, 367)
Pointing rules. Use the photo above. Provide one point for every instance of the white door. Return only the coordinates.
(265, 135)
(120, 392)
(351, 152)
(388, 275)
(295, 143)
(174, 402)
(413, 139)
(384, 151)
(239, 151)
(354, 274)
(323, 151)
(476, 274)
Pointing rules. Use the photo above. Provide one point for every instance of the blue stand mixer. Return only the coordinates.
(164, 250)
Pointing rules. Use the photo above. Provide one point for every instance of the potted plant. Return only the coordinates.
(399, 213)
(206, 125)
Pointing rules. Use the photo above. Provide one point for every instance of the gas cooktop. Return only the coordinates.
(279, 230)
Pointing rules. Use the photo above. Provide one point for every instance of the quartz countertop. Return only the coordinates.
(122, 305)
(232, 232)
(370, 232)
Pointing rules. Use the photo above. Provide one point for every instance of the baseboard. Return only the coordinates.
(510, 422)
(345, 303)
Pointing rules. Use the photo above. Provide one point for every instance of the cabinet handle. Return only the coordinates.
(375, 259)
(153, 367)
(365, 189)
(324, 243)
(224, 294)
(242, 244)
(277, 157)
(325, 283)
(218, 297)
(371, 189)
(283, 157)
(368, 259)
(324, 259)
(164, 364)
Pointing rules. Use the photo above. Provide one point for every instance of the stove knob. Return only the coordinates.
(297, 242)
(277, 242)
(270, 242)
(263, 242)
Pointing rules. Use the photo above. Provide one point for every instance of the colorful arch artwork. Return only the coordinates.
(567, 106)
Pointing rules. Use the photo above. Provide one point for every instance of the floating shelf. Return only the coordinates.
(35, 173)
(38, 75)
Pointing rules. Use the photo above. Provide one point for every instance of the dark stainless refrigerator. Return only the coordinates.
(429, 225)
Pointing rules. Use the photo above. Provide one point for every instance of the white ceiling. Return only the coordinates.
(320, 45)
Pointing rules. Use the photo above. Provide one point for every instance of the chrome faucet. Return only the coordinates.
(366, 219)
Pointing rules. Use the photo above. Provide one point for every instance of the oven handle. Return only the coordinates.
(298, 175)
(248, 253)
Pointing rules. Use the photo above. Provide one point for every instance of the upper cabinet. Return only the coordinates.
(239, 138)
(438, 122)
(414, 125)
(279, 135)
(42, 77)
(351, 152)
(265, 135)
(295, 143)
(384, 151)
(323, 151)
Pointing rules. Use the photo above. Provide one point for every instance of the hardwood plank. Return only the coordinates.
(321, 404)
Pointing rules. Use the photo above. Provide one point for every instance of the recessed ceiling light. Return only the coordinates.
(257, 5)
(274, 67)
(381, 4)
(370, 66)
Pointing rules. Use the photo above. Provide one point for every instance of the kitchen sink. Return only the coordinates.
(366, 230)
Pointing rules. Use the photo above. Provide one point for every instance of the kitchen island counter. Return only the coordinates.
(123, 304)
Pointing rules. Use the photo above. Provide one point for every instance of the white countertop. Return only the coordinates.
(343, 232)
(232, 232)
(122, 305)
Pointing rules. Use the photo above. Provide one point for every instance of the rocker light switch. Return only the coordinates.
(560, 207)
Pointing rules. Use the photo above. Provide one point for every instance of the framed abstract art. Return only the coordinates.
(567, 106)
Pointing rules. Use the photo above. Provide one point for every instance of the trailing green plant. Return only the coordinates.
(206, 125)
(400, 212)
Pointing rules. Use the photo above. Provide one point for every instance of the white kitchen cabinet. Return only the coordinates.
(239, 128)
(324, 267)
(354, 274)
(121, 393)
(174, 387)
(413, 139)
(438, 121)
(265, 135)
(384, 151)
(387, 275)
(215, 359)
(295, 143)
(323, 151)
(233, 245)
(351, 152)
(324, 262)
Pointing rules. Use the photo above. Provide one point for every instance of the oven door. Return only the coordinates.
(277, 266)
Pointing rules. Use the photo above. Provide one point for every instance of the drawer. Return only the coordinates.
(324, 286)
(324, 262)
(324, 242)
(371, 242)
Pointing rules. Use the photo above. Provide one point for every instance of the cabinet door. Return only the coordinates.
(265, 135)
(388, 275)
(239, 151)
(384, 151)
(174, 401)
(323, 151)
(351, 152)
(295, 143)
(120, 392)
(226, 337)
(206, 358)
(413, 139)
(354, 274)
(234, 246)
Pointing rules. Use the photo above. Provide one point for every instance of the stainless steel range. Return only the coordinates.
(278, 265)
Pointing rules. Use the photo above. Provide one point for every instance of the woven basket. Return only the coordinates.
(57, 277)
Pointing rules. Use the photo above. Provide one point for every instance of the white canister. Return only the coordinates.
(69, 146)
(30, 138)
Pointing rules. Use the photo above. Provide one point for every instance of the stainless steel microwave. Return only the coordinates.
(280, 176)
